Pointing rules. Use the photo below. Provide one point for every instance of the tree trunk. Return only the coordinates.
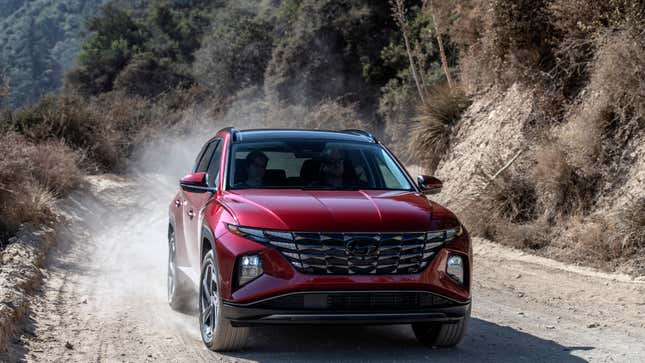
(442, 52)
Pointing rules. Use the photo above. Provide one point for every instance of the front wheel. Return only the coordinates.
(217, 332)
(442, 335)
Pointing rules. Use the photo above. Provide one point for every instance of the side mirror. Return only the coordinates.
(195, 183)
(429, 184)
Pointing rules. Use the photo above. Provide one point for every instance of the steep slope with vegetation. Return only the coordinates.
(550, 155)
(532, 111)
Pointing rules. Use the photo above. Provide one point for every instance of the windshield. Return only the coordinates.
(332, 165)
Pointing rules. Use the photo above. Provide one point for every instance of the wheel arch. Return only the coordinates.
(207, 241)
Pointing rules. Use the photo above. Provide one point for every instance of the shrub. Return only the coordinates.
(116, 38)
(514, 44)
(504, 208)
(75, 121)
(563, 189)
(436, 119)
(31, 176)
(611, 238)
(149, 77)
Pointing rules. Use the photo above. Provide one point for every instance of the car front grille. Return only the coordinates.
(357, 253)
(355, 301)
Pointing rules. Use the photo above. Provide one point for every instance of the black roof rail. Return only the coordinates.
(235, 133)
(360, 132)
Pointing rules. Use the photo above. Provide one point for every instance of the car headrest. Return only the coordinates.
(310, 169)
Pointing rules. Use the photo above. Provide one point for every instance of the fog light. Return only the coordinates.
(455, 268)
(249, 268)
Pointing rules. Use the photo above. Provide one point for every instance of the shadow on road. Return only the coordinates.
(485, 341)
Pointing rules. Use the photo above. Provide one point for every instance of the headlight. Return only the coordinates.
(454, 233)
(455, 268)
(435, 239)
(250, 233)
(249, 267)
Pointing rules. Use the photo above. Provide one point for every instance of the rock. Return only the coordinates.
(518, 276)
(593, 325)
(69, 345)
(550, 327)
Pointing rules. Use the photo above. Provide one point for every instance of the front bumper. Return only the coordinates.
(347, 307)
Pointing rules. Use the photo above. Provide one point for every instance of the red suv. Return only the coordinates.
(314, 227)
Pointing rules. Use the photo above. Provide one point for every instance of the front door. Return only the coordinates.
(195, 202)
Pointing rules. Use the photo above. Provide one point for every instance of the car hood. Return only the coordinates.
(337, 211)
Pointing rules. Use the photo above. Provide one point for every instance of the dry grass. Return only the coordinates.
(31, 177)
(503, 42)
(562, 189)
(505, 208)
(436, 119)
(610, 239)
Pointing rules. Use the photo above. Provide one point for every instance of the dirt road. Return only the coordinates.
(103, 300)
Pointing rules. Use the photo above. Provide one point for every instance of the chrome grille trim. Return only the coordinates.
(329, 253)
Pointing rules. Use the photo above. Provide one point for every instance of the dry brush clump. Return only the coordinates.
(74, 121)
(32, 176)
(563, 189)
(436, 119)
(503, 42)
(503, 205)
(609, 239)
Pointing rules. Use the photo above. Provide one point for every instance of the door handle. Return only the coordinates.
(191, 214)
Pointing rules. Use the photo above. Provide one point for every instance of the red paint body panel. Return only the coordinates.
(195, 213)
(326, 211)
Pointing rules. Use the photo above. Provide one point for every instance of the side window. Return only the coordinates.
(202, 166)
(213, 168)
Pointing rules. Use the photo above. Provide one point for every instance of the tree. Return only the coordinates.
(116, 38)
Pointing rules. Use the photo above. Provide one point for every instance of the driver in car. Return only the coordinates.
(332, 168)
(256, 166)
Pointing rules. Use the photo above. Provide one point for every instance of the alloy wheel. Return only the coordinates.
(208, 302)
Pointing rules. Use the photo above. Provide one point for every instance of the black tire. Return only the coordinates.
(179, 291)
(217, 332)
(442, 335)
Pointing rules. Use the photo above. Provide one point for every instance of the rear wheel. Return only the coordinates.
(441, 334)
(178, 284)
(217, 332)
